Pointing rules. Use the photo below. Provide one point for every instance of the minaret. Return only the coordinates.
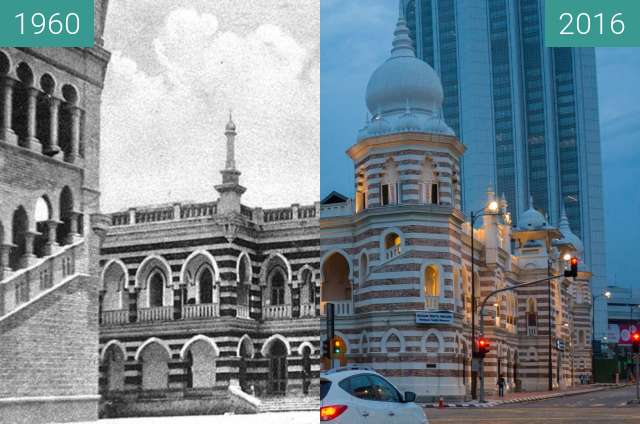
(230, 190)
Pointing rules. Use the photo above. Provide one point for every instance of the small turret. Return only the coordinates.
(230, 190)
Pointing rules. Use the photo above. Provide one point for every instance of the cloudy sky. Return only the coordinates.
(177, 68)
(356, 38)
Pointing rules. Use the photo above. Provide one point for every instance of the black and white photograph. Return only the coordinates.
(159, 217)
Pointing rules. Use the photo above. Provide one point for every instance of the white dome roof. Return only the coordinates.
(401, 79)
(406, 91)
(531, 219)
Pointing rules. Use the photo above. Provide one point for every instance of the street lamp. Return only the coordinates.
(490, 210)
(606, 294)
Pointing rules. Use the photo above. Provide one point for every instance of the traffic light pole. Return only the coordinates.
(484, 303)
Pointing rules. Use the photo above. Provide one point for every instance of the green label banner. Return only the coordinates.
(46, 23)
(592, 23)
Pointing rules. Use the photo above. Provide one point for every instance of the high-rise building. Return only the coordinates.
(527, 114)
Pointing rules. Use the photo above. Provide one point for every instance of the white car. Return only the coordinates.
(359, 395)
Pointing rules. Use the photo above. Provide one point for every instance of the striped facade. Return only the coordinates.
(387, 256)
(201, 302)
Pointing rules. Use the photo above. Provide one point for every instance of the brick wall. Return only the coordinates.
(50, 348)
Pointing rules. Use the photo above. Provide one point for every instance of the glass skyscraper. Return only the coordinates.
(527, 114)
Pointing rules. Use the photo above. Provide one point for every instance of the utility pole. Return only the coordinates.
(550, 361)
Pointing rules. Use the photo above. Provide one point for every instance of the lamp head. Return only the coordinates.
(493, 206)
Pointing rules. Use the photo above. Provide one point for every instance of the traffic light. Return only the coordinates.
(573, 270)
(635, 341)
(326, 348)
(336, 346)
(483, 347)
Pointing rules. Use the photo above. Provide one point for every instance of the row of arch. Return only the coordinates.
(391, 187)
(36, 110)
(36, 229)
(337, 277)
(199, 355)
(200, 277)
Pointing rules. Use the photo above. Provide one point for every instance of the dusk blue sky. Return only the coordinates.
(356, 37)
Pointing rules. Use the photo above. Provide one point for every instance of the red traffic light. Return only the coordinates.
(483, 346)
(635, 337)
(574, 261)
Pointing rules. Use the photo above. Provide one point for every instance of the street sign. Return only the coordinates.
(435, 317)
(560, 345)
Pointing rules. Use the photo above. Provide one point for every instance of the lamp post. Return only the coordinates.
(491, 209)
(606, 294)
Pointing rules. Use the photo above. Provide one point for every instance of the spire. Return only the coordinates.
(402, 44)
(230, 190)
(530, 201)
(230, 132)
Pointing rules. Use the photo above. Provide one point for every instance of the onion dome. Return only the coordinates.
(531, 219)
(379, 125)
(408, 121)
(231, 126)
(404, 78)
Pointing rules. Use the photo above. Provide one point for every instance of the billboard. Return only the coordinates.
(621, 333)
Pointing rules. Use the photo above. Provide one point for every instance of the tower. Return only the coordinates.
(540, 135)
(230, 190)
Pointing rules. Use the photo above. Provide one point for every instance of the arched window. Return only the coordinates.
(277, 286)
(20, 225)
(21, 101)
(429, 189)
(364, 267)
(42, 217)
(390, 184)
(392, 245)
(361, 191)
(205, 285)
(156, 289)
(308, 290)
(336, 286)
(244, 280)
(431, 281)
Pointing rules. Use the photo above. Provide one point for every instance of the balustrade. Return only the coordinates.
(392, 252)
(158, 313)
(24, 285)
(341, 308)
(277, 312)
(432, 302)
(202, 310)
(243, 311)
(115, 317)
(307, 310)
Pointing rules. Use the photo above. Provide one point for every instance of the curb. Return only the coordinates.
(491, 404)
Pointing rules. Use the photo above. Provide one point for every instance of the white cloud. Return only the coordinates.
(163, 132)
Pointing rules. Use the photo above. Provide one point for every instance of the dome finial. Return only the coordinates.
(402, 44)
(231, 126)
(530, 201)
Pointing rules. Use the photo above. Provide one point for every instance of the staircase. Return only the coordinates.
(25, 286)
(290, 403)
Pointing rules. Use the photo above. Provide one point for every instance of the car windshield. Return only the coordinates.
(325, 385)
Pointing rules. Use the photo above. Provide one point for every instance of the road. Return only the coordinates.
(608, 406)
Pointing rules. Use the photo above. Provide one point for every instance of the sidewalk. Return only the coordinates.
(514, 397)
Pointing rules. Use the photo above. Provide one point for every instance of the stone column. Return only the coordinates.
(73, 154)
(31, 141)
(53, 149)
(27, 259)
(51, 247)
(5, 252)
(6, 132)
(74, 235)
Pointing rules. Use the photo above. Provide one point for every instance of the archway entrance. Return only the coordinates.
(277, 368)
